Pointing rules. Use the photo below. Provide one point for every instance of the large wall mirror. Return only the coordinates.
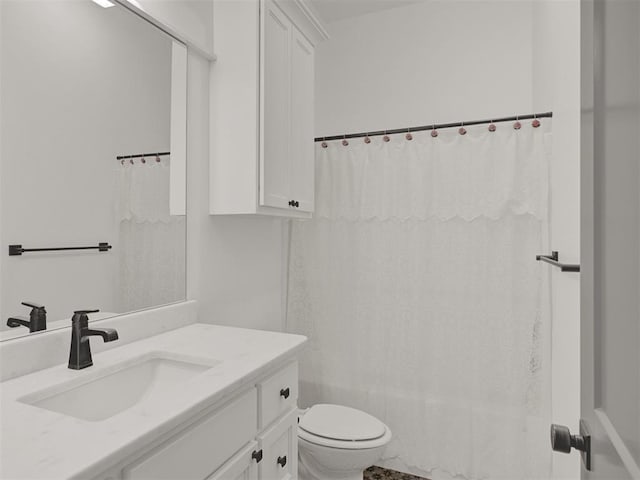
(92, 151)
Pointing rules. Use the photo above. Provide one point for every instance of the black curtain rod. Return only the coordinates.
(434, 127)
(142, 155)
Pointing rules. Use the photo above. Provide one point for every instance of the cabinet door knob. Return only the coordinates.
(284, 392)
(296, 204)
(282, 461)
(257, 455)
(291, 203)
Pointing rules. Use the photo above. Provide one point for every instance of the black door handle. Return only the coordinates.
(563, 441)
(284, 392)
(282, 461)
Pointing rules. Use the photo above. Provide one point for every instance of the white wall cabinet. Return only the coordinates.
(262, 112)
(250, 436)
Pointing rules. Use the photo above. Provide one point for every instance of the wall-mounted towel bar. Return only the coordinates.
(18, 250)
(553, 260)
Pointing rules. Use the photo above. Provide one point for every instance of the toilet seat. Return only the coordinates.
(336, 426)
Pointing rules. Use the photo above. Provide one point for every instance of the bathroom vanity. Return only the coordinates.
(199, 402)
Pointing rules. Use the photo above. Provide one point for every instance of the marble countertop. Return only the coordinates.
(40, 444)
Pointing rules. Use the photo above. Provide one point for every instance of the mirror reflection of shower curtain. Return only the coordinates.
(417, 285)
(151, 245)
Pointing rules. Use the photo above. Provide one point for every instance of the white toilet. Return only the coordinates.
(338, 443)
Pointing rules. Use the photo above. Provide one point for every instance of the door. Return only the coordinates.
(302, 97)
(610, 236)
(280, 447)
(276, 110)
(242, 466)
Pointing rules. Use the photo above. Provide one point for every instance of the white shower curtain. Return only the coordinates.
(152, 242)
(417, 285)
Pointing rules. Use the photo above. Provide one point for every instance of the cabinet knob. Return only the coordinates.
(284, 392)
(282, 461)
(291, 203)
(257, 455)
(296, 204)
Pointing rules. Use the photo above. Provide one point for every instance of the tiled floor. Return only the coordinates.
(377, 473)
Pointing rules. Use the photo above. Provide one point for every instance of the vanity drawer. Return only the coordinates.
(277, 394)
(279, 447)
(197, 452)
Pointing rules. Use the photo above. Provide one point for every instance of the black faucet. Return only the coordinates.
(80, 353)
(36, 322)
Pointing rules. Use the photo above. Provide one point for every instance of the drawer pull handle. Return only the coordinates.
(257, 455)
(282, 461)
(284, 392)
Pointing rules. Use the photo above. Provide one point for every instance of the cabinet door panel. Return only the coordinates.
(302, 97)
(240, 467)
(280, 449)
(275, 111)
(200, 449)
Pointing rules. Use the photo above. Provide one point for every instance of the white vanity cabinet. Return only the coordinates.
(261, 112)
(250, 436)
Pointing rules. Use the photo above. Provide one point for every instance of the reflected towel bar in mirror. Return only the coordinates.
(18, 250)
(553, 260)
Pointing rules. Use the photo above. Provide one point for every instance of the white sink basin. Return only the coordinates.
(117, 388)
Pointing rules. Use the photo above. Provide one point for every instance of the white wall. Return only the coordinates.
(234, 263)
(74, 96)
(556, 86)
(446, 61)
(436, 61)
(192, 20)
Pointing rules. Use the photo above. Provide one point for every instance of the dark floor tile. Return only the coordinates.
(377, 473)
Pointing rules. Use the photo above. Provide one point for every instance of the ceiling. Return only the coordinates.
(334, 10)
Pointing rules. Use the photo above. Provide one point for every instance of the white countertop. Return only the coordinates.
(40, 444)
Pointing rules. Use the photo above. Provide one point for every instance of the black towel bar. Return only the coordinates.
(553, 260)
(18, 250)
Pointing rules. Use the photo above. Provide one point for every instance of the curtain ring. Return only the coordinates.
(324, 143)
(408, 136)
(143, 160)
(157, 158)
(492, 127)
(536, 122)
(386, 137)
(517, 125)
(131, 161)
(462, 130)
(367, 140)
(434, 132)
(344, 141)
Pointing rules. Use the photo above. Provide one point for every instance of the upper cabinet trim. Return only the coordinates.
(302, 15)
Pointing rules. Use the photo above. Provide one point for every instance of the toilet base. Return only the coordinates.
(304, 474)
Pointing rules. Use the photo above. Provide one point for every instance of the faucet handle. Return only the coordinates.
(84, 312)
(33, 305)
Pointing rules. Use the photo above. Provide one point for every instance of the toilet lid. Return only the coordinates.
(341, 423)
